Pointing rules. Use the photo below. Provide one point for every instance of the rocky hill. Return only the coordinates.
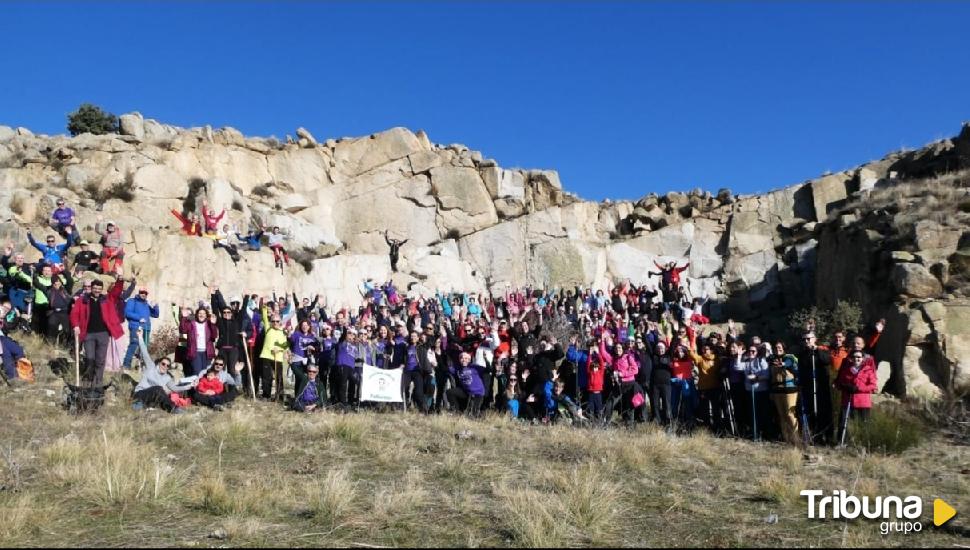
(473, 225)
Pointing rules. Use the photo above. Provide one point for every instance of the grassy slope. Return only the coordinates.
(269, 477)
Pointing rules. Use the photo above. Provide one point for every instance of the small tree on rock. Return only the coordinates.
(91, 119)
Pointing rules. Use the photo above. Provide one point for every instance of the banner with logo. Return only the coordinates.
(382, 385)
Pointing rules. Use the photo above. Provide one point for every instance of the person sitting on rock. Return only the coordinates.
(253, 240)
(86, 259)
(157, 386)
(62, 220)
(10, 353)
(221, 240)
(211, 220)
(395, 249)
(216, 387)
(190, 223)
(275, 242)
(53, 253)
(310, 391)
(112, 246)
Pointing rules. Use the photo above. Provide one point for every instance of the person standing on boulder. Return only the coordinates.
(53, 254)
(395, 249)
(95, 321)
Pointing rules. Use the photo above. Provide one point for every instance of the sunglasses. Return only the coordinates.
(312, 371)
(164, 364)
(218, 364)
(857, 357)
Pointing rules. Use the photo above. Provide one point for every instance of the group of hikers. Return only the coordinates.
(626, 353)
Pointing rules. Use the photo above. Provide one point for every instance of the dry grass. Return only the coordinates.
(264, 476)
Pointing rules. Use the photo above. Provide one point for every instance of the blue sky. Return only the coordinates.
(622, 98)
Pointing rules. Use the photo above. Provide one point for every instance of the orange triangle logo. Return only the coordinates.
(942, 512)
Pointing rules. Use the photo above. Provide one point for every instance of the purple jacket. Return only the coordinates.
(470, 379)
(187, 326)
(346, 354)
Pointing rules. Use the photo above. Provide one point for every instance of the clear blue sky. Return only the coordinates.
(622, 98)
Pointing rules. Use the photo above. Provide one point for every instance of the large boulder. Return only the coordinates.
(957, 343)
(305, 170)
(464, 204)
(158, 181)
(132, 124)
(934, 241)
(503, 184)
(915, 280)
(363, 154)
(829, 193)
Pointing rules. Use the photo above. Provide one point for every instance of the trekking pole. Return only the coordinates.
(814, 387)
(754, 417)
(729, 405)
(77, 360)
(845, 421)
(249, 366)
(278, 376)
(806, 430)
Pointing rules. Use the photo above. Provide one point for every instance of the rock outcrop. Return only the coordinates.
(471, 224)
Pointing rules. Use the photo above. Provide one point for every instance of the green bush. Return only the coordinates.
(888, 431)
(91, 119)
(844, 316)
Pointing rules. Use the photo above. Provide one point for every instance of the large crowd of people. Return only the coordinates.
(624, 354)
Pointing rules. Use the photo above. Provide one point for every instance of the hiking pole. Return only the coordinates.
(77, 360)
(249, 366)
(754, 417)
(729, 405)
(806, 430)
(845, 421)
(278, 377)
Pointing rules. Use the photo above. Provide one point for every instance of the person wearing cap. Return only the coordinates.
(139, 313)
(86, 259)
(94, 319)
(815, 384)
(62, 219)
(53, 253)
(112, 245)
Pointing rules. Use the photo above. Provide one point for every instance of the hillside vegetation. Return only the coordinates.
(257, 475)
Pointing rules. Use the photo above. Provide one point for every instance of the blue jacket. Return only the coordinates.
(52, 254)
(11, 353)
(137, 309)
(253, 240)
(580, 358)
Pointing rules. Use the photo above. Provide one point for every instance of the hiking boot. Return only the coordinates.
(178, 410)
(137, 406)
(218, 407)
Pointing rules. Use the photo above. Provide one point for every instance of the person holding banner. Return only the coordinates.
(413, 357)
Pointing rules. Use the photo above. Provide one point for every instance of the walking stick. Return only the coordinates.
(754, 417)
(249, 366)
(729, 405)
(845, 421)
(77, 360)
(806, 430)
(278, 377)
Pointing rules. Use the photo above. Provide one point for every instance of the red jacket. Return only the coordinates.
(596, 375)
(81, 312)
(187, 327)
(189, 227)
(858, 386)
(205, 385)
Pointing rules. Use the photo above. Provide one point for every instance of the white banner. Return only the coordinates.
(381, 385)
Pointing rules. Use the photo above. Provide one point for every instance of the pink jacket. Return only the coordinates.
(626, 366)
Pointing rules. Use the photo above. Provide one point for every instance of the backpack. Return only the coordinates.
(25, 370)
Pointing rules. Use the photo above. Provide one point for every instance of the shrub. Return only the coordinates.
(265, 190)
(196, 185)
(888, 431)
(92, 119)
(844, 316)
(122, 190)
(304, 256)
(163, 340)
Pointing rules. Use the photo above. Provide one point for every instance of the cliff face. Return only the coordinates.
(470, 224)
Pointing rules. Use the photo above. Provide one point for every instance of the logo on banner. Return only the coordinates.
(382, 385)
